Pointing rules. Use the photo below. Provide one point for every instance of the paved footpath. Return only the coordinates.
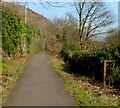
(39, 86)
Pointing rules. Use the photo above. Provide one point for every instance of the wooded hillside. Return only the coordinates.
(34, 19)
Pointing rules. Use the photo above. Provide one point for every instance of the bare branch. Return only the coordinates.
(92, 17)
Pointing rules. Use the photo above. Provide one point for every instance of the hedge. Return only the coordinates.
(92, 63)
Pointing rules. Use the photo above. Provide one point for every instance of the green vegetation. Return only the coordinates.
(13, 33)
(91, 63)
(86, 94)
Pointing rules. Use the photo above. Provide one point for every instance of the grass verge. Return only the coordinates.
(11, 71)
(85, 93)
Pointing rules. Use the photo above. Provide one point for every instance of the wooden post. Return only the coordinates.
(105, 70)
(104, 74)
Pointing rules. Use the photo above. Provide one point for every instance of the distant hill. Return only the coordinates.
(34, 19)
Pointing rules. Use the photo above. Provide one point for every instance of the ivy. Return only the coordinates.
(13, 31)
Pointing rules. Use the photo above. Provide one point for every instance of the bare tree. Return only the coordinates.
(92, 18)
(66, 29)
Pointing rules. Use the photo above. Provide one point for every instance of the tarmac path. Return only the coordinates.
(39, 86)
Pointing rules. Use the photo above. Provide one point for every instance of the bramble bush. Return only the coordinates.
(92, 63)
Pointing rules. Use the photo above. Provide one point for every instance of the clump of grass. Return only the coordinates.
(85, 94)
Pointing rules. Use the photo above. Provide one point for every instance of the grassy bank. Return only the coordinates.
(11, 71)
(86, 91)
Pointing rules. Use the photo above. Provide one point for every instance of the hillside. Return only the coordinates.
(34, 19)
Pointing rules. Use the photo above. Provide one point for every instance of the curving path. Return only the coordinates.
(39, 86)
